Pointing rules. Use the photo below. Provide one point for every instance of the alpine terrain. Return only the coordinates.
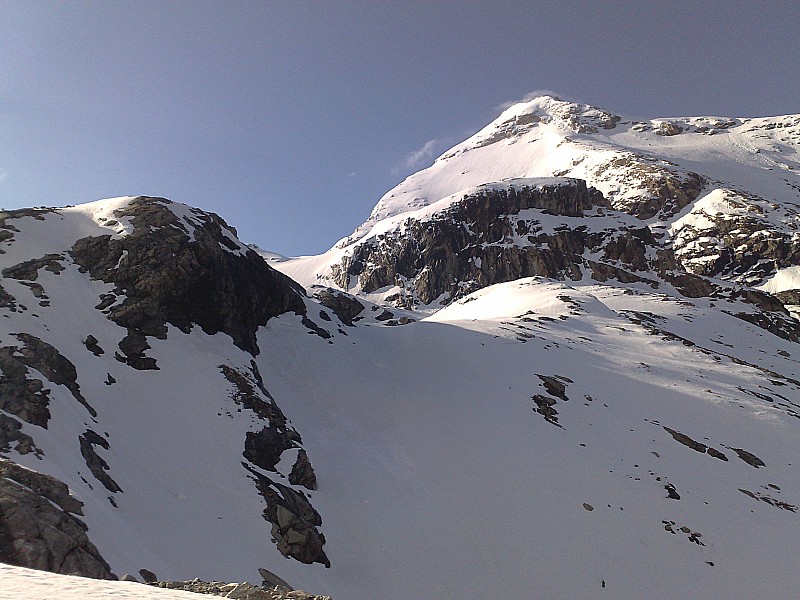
(561, 362)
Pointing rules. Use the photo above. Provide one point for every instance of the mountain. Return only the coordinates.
(561, 362)
(721, 194)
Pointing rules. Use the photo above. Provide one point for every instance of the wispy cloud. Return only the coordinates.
(418, 157)
(528, 97)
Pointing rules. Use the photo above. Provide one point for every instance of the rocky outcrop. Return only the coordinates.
(343, 305)
(96, 464)
(23, 395)
(496, 235)
(38, 526)
(185, 272)
(735, 235)
(245, 591)
(302, 472)
(647, 187)
(294, 520)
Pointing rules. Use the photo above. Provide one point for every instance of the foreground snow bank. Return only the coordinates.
(19, 583)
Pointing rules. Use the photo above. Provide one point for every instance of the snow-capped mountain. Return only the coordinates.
(722, 194)
(558, 363)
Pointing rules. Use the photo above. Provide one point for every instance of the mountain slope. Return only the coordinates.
(540, 369)
(708, 187)
(128, 374)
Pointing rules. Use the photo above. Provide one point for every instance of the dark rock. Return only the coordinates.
(544, 406)
(672, 493)
(29, 270)
(10, 431)
(748, 457)
(21, 396)
(555, 386)
(294, 521)
(717, 454)
(302, 472)
(49, 362)
(272, 581)
(96, 464)
(35, 533)
(465, 247)
(133, 347)
(93, 346)
(343, 305)
(686, 440)
(264, 448)
(167, 276)
(148, 576)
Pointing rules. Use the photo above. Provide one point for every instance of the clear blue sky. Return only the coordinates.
(290, 119)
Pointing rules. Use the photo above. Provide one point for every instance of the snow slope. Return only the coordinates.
(435, 462)
(28, 584)
(636, 437)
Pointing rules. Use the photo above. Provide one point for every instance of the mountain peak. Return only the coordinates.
(582, 118)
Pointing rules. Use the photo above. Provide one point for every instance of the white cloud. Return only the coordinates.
(418, 157)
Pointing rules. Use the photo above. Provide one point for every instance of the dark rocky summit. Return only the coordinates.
(185, 273)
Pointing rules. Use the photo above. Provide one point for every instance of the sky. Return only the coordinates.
(291, 119)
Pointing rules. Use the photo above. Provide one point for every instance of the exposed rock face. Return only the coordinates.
(302, 472)
(651, 186)
(294, 521)
(185, 272)
(24, 395)
(343, 305)
(38, 528)
(96, 464)
(736, 236)
(493, 236)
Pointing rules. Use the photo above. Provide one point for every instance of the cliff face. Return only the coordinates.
(149, 272)
(185, 273)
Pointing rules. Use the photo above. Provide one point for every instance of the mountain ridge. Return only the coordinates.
(512, 380)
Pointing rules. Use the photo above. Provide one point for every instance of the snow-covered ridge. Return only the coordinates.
(546, 137)
(655, 170)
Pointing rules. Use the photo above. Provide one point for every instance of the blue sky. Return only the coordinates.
(290, 119)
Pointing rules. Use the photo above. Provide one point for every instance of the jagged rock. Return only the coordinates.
(168, 276)
(264, 448)
(93, 346)
(294, 521)
(343, 305)
(20, 395)
(133, 347)
(96, 464)
(49, 362)
(244, 590)
(743, 243)
(469, 245)
(748, 457)
(272, 581)
(148, 576)
(29, 270)
(302, 472)
(35, 533)
(10, 431)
